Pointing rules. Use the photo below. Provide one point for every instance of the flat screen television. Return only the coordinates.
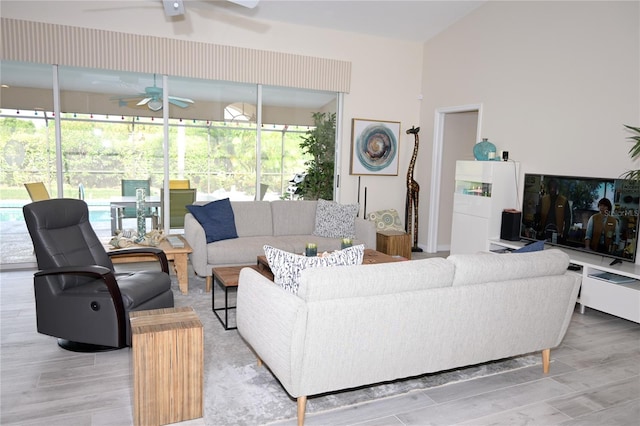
(565, 211)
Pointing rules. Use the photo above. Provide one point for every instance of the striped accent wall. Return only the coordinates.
(27, 41)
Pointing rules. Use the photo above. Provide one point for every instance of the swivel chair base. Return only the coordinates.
(84, 347)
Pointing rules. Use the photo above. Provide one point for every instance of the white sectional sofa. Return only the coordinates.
(287, 225)
(350, 326)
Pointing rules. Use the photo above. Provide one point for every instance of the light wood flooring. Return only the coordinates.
(594, 380)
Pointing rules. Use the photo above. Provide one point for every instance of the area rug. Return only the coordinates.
(239, 392)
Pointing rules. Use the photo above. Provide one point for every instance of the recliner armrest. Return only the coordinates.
(96, 271)
(143, 251)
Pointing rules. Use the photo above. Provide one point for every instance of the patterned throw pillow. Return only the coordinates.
(335, 220)
(286, 267)
(387, 220)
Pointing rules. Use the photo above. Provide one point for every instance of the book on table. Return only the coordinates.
(175, 242)
(612, 278)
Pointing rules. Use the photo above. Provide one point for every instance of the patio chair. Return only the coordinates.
(80, 298)
(129, 187)
(179, 184)
(263, 191)
(37, 191)
(178, 200)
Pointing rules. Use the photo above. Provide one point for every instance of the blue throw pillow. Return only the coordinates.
(537, 246)
(217, 219)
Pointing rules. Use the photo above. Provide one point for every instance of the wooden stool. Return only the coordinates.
(394, 243)
(168, 363)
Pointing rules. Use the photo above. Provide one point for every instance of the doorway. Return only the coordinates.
(456, 131)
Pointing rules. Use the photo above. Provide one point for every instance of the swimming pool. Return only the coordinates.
(11, 211)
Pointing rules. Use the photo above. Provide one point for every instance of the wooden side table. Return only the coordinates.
(168, 365)
(394, 243)
(178, 255)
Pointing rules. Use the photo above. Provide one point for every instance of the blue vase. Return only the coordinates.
(482, 149)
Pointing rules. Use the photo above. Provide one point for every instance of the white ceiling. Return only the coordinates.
(406, 20)
(414, 20)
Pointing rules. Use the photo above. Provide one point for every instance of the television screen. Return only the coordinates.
(598, 215)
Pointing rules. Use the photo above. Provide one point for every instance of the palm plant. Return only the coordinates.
(319, 143)
(634, 153)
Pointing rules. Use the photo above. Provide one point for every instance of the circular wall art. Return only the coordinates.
(376, 149)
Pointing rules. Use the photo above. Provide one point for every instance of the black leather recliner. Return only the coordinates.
(79, 297)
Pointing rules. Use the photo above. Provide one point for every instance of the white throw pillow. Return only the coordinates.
(286, 266)
(335, 220)
(386, 220)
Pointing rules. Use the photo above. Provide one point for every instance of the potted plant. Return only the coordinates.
(319, 143)
(634, 152)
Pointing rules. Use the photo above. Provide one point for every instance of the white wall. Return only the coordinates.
(386, 74)
(557, 81)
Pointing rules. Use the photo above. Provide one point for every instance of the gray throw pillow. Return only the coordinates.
(335, 220)
(286, 266)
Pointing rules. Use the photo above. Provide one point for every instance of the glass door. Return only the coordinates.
(225, 139)
(27, 143)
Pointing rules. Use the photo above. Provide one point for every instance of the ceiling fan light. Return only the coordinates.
(155, 105)
(173, 7)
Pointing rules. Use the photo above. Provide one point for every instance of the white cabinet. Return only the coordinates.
(483, 190)
(621, 300)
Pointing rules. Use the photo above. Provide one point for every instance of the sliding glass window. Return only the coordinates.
(224, 139)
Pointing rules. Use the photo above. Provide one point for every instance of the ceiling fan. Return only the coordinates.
(176, 7)
(152, 98)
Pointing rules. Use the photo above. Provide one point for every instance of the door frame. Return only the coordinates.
(436, 165)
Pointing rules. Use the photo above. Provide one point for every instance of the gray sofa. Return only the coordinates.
(350, 326)
(287, 225)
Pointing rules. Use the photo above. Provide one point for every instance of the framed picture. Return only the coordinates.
(374, 147)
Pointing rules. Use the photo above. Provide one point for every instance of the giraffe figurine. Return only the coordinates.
(413, 192)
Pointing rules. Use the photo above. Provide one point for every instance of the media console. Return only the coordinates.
(619, 299)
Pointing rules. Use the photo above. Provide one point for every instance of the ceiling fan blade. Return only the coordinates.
(246, 3)
(144, 101)
(126, 97)
(178, 103)
(177, 98)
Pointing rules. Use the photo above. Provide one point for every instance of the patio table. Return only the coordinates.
(117, 204)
